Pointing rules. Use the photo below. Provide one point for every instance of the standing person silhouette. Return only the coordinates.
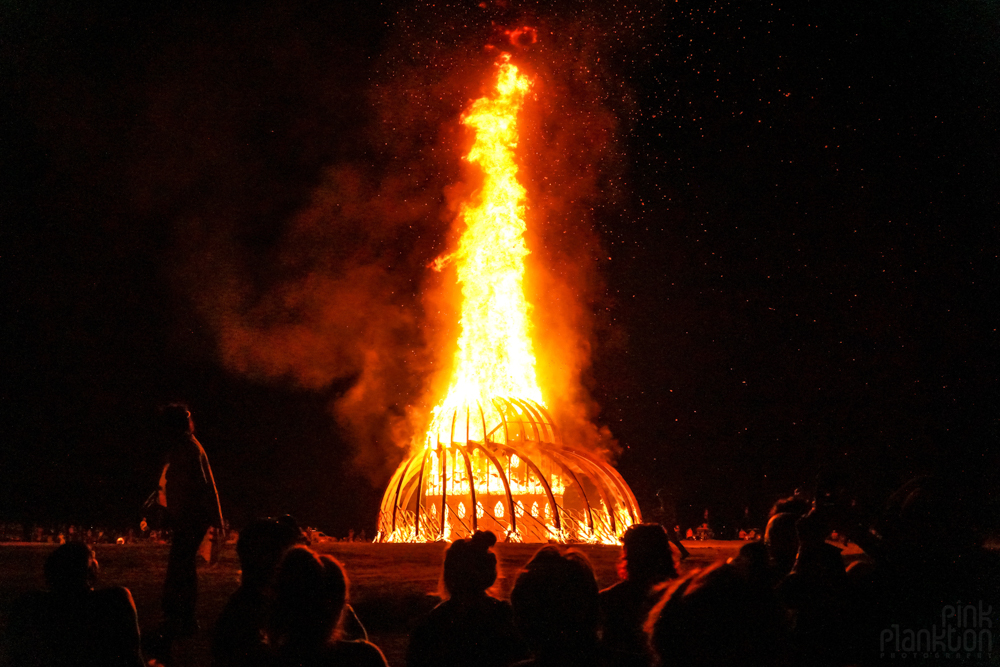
(667, 517)
(192, 504)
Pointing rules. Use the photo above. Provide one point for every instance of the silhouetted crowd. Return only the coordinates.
(786, 600)
(63, 533)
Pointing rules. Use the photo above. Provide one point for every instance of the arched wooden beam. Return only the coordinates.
(626, 494)
(399, 487)
(541, 478)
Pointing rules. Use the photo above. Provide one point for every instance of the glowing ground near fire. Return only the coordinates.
(492, 458)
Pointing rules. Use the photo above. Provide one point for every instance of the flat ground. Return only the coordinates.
(391, 584)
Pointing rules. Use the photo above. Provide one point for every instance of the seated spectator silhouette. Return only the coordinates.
(754, 562)
(782, 543)
(796, 504)
(470, 627)
(72, 624)
(927, 552)
(309, 599)
(717, 617)
(815, 591)
(646, 562)
(557, 609)
(238, 638)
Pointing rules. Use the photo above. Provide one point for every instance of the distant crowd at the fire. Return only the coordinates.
(62, 533)
(918, 582)
(39, 533)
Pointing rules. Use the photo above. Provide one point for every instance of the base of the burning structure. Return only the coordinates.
(505, 472)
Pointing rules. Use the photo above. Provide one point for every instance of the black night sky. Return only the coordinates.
(791, 244)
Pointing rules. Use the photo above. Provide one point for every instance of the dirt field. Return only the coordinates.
(391, 584)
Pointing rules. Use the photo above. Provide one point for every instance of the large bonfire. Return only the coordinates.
(491, 458)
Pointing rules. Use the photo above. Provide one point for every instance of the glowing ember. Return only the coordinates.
(491, 441)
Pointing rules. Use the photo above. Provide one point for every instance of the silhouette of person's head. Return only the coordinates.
(647, 555)
(812, 529)
(782, 541)
(754, 563)
(310, 594)
(469, 565)
(796, 504)
(72, 568)
(716, 617)
(261, 545)
(175, 419)
(555, 602)
(928, 507)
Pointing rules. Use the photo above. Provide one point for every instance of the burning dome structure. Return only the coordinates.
(518, 481)
(492, 458)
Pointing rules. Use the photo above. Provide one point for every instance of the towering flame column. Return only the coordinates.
(491, 458)
(494, 355)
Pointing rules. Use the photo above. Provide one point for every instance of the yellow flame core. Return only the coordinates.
(495, 356)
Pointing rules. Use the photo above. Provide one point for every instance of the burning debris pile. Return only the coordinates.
(492, 457)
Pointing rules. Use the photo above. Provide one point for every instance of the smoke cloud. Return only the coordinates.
(331, 287)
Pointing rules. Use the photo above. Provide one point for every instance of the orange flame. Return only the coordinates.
(492, 459)
(495, 356)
